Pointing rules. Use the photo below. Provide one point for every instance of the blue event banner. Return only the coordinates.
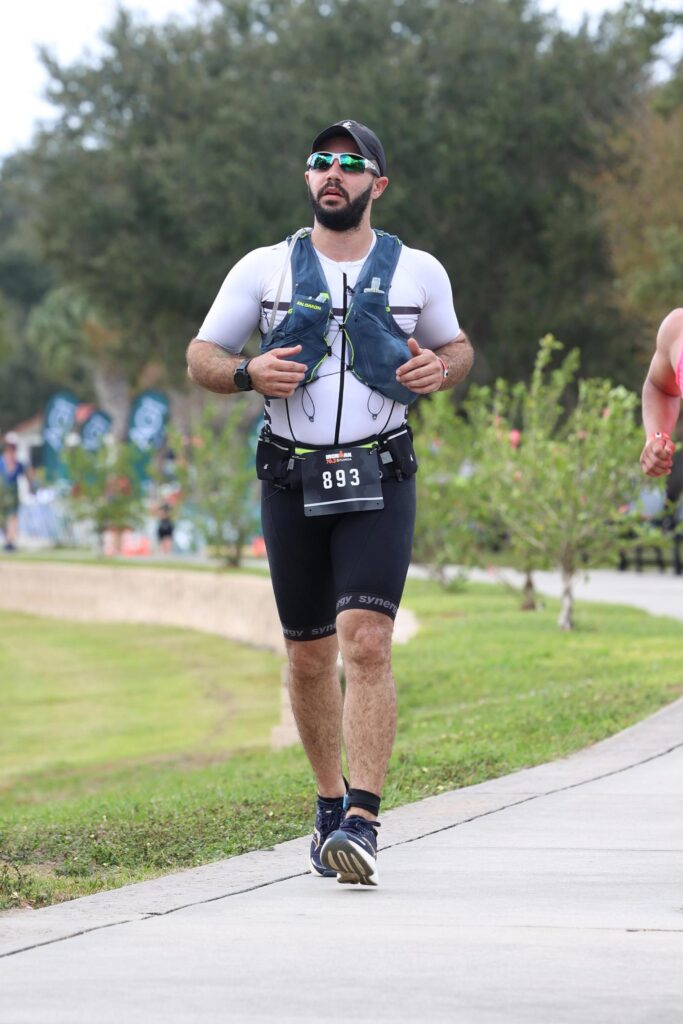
(58, 421)
(148, 419)
(95, 429)
(147, 427)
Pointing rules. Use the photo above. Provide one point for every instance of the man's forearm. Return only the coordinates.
(458, 357)
(660, 410)
(212, 367)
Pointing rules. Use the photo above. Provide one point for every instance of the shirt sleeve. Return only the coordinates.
(437, 323)
(235, 312)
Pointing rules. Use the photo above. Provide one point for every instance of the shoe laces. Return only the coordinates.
(327, 819)
(356, 823)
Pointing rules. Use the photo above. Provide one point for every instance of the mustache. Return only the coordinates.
(333, 188)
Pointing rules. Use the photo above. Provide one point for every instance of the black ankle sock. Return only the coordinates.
(330, 801)
(361, 798)
(334, 800)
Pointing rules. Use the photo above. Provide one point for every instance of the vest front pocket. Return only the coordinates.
(379, 347)
(306, 324)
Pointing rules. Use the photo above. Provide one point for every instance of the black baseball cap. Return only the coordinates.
(367, 142)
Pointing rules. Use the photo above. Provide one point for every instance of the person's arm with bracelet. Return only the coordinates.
(436, 369)
(662, 398)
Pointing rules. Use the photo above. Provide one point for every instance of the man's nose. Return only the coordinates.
(333, 173)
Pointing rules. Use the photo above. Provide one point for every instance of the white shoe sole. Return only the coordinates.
(353, 865)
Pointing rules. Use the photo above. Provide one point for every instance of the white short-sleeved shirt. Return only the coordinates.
(422, 303)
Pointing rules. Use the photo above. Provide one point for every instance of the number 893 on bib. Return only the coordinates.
(341, 480)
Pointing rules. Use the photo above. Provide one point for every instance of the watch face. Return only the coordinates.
(242, 379)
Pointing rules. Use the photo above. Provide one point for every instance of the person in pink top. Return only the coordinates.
(662, 393)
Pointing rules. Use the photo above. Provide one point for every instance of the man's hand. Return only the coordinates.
(423, 373)
(657, 455)
(274, 375)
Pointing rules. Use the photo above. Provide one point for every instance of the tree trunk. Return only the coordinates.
(438, 573)
(187, 407)
(113, 395)
(566, 619)
(528, 593)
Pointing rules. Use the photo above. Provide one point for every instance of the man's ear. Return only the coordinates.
(379, 186)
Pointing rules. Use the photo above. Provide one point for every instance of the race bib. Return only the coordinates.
(341, 480)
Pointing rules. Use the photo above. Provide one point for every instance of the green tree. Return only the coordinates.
(218, 482)
(105, 490)
(82, 353)
(450, 529)
(25, 380)
(642, 207)
(177, 151)
(562, 493)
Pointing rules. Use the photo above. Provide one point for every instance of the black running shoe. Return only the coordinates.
(351, 851)
(328, 817)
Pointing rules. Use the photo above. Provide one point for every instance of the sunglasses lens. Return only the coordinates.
(320, 161)
(351, 162)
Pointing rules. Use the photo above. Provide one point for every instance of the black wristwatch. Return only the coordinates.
(241, 377)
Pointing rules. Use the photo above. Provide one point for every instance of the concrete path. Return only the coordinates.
(549, 896)
(656, 593)
(552, 895)
(652, 592)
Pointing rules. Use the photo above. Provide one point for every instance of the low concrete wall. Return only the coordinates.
(237, 606)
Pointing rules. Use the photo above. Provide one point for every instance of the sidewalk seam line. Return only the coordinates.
(146, 916)
(537, 796)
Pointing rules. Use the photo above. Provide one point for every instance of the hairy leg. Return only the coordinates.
(370, 705)
(316, 698)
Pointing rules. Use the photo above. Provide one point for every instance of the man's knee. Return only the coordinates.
(365, 637)
(312, 660)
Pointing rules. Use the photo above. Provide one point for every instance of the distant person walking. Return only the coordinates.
(11, 470)
(662, 393)
(165, 528)
(354, 326)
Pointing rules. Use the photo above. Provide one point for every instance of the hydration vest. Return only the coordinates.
(377, 345)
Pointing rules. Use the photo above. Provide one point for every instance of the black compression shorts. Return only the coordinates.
(322, 565)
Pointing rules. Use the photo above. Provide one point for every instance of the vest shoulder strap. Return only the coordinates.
(378, 270)
(376, 273)
(307, 274)
(299, 233)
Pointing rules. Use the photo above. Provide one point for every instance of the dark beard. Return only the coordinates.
(345, 218)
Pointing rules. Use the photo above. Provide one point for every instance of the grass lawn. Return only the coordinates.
(131, 751)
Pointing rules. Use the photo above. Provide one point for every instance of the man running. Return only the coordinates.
(662, 396)
(354, 326)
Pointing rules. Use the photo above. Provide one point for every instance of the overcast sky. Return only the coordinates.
(72, 26)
